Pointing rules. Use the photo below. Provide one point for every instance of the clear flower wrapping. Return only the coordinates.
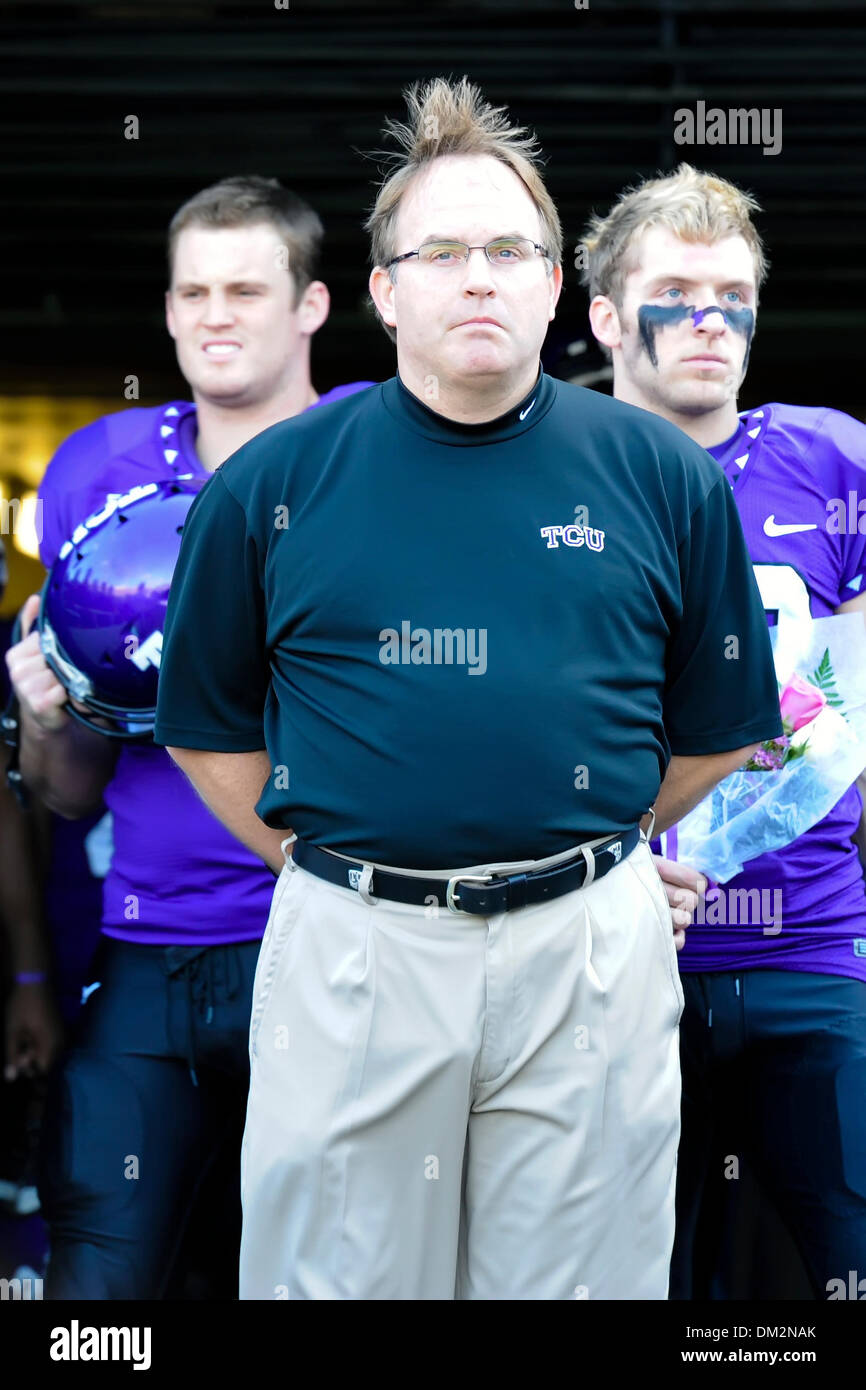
(793, 782)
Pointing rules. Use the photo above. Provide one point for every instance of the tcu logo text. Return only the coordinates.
(589, 536)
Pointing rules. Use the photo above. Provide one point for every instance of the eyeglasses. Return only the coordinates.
(503, 252)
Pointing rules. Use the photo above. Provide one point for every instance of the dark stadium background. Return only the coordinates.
(221, 88)
(226, 87)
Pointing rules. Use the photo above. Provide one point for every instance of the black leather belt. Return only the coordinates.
(480, 895)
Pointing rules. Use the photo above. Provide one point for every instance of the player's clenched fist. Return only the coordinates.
(40, 694)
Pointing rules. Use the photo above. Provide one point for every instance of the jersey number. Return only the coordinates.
(783, 593)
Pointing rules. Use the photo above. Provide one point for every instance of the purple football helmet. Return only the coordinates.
(104, 601)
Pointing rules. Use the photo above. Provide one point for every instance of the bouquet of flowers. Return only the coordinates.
(790, 782)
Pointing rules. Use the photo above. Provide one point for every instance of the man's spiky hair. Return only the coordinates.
(447, 117)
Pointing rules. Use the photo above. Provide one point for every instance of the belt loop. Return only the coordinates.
(289, 858)
(590, 865)
(364, 886)
(652, 824)
(516, 891)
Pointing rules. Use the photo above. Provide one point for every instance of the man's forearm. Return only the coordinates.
(230, 784)
(67, 768)
(20, 899)
(688, 780)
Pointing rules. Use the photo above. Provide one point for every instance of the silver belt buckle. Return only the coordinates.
(451, 897)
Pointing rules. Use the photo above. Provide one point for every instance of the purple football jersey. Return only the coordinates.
(177, 876)
(804, 905)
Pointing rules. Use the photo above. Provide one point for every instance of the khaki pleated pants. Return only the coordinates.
(455, 1107)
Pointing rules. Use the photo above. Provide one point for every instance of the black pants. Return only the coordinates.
(149, 1097)
(774, 1077)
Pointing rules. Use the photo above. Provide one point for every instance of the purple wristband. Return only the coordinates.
(30, 977)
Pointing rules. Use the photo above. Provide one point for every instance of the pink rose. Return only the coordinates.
(800, 702)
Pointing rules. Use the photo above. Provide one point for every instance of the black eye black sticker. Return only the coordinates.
(742, 321)
(652, 317)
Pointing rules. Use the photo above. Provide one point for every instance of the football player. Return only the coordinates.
(154, 1087)
(773, 1037)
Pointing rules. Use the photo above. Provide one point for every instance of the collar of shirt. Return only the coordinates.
(411, 412)
(733, 453)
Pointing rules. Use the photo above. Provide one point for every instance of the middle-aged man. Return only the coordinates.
(388, 631)
(773, 1039)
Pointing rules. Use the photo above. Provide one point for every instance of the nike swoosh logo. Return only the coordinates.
(523, 414)
(771, 528)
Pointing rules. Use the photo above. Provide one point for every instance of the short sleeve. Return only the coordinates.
(69, 490)
(720, 690)
(52, 530)
(844, 438)
(214, 672)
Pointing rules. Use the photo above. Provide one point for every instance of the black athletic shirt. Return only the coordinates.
(465, 643)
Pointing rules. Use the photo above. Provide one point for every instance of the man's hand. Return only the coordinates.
(40, 694)
(66, 765)
(683, 885)
(34, 1032)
